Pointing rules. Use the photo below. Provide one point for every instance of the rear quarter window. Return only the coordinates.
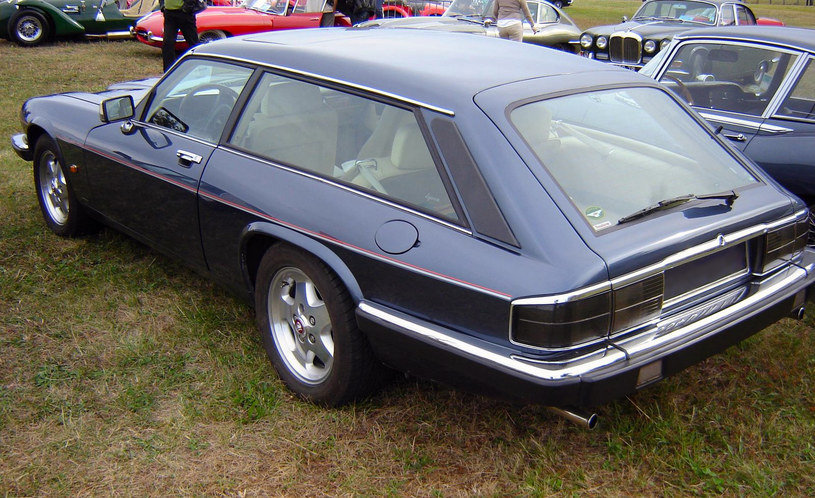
(370, 145)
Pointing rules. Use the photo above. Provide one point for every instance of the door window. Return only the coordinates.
(197, 98)
(801, 101)
(728, 77)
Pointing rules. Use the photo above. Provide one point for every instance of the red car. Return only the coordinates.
(410, 8)
(252, 17)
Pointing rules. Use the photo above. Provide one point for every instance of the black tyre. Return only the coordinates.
(29, 28)
(58, 203)
(211, 35)
(306, 319)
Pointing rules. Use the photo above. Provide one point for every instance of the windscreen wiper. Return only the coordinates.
(729, 197)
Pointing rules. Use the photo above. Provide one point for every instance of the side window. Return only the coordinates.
(547, 14)
(197, 98)
(801, 101)
(728, 77)
(728, 19)
(744, 16)
(365, 143)
(533, 9)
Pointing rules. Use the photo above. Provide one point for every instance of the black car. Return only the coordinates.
(633, 43)
(508, 237)
(756, 83)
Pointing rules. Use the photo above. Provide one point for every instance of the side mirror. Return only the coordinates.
(116, 109)
(625, 18)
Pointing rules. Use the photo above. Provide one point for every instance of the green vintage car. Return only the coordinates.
(31, 22)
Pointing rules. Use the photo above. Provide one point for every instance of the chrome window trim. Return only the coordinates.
(745, 123)
(335, 81)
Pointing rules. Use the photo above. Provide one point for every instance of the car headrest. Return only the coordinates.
(409, 148)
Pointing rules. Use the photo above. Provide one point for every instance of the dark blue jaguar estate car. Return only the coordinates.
(553, 230)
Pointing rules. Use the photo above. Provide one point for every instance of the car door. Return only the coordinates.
(785, 144)
(301, 14)
(145, 173)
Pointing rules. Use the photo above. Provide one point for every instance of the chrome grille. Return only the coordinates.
(625, 48)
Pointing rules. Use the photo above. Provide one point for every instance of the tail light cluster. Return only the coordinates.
(783, 244)
(579, 320)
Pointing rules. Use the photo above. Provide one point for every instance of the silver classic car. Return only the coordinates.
(510, 237)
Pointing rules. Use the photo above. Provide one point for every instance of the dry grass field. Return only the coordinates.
(122, 373)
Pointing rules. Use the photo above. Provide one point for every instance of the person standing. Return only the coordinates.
(178, 15)
(509, 16)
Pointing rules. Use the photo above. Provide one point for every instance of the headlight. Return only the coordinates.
(650, 46)
(586, 40)
(664, 43)
(602, 42)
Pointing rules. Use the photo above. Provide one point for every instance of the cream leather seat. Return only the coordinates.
(296, 127)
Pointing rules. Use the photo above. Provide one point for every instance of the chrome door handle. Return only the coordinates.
(736, 137)
(187, 158)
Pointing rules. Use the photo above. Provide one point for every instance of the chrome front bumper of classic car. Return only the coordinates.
(19, 142)
(430, 351)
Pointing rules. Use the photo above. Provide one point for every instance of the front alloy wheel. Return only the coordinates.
(62, 212)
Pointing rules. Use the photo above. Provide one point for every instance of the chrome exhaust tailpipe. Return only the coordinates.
(580, 417)
(799, 313)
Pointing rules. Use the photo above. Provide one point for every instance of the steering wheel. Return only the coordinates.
(681, 88)
(761, 70)
(204, 115)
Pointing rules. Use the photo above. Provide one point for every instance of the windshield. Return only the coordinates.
(697, 12)
(268, 6)
(469, 8)
(610, 171)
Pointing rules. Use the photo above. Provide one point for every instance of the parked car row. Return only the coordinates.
(508, 237)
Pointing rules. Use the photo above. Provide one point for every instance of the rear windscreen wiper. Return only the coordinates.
(728, 196)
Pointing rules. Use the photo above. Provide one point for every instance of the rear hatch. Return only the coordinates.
(681, 222)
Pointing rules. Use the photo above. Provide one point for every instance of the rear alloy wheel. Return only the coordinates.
(28, 27)
(59, 206)
(211, 35)
(306, 319)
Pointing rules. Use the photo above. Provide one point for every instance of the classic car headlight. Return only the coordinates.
(602, 42)
(664, 43)
(558, 323)
(586, 40)
(783, 244)
(649, 46)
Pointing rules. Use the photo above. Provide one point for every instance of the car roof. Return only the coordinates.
(428, 66)
(801, 38)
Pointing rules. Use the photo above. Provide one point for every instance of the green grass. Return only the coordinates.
(124, 373)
